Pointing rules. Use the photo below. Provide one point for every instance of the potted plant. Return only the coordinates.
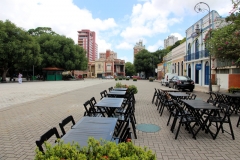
(234, 90)
(215, 85)
(151, 79)
(100, 150)
(132, 88)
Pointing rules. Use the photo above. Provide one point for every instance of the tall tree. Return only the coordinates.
(224, 43)
(17, 48)
(129, 69)
(60, 51)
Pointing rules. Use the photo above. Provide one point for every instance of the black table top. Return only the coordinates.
(178, 94)
(119, 89)
(117, 92)
(110, 102)
(199, 104)
(233, 95)
(169, 90)
(97, 127)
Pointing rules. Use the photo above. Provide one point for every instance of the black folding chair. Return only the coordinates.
(46, 136)
(154, 95)
(90, 110)
(65, 122)
(220, 120)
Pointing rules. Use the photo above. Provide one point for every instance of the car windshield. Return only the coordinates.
(183, 78)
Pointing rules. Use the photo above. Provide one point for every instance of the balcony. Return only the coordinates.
(197, 55)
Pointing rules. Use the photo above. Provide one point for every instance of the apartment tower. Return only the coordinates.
(87, 40)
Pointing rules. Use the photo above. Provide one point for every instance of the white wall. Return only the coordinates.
(223, 80)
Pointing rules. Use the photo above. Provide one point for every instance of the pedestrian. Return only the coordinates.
(19, 78)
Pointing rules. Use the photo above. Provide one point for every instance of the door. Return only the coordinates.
(196, 75)
(207, 68)
(189, 71)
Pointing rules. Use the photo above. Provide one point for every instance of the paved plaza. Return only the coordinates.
(29, 109)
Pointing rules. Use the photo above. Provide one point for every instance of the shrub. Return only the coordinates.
(96, 150)
(127, 79)
(116, 79)
(118, 85)
(233, 89)
(133, 88)
(134, 79)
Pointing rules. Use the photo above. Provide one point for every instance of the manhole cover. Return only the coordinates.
(148, 127)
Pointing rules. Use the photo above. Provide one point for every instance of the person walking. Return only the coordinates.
(19, 78)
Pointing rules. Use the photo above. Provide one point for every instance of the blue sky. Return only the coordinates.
(119, 24)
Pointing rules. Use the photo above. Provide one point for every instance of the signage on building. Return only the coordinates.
(198, 66)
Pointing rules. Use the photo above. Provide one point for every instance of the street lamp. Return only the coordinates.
(198, 9)
(152, 65)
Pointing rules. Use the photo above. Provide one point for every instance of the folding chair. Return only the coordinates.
(46, 136)
(220, 120)
(90, 110)
(154, 95)
(97, 109)
(123, 133)
(184, 119)
(65, 122)
(103, 94)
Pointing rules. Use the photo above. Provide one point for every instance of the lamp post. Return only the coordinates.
(152, 66)
(198, 9)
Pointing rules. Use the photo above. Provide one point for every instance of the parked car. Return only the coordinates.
(181, 82)
(167, 77)
(109, 77)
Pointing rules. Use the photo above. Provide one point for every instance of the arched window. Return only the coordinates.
(189, 49)
(196, 46)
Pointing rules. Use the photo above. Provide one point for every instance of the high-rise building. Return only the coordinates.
(170, 41)
(87, 40)
(138, 47)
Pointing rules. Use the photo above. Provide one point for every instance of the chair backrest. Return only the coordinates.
(93, 101)
(226, 109)
(193, 96)
(65, 122)
(90, 111)
(125, 132)
(103, 94)
(110, 89)
(46, 136)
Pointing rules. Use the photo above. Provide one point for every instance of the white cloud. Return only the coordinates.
(156, 46)
(155, 16)
(127, 59)
(124, 45)
(103, 46)
(180, 37)
(62, 16)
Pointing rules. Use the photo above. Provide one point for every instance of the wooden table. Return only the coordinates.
(110, 104)
(119, 94)
(200, 108)
(96, 127)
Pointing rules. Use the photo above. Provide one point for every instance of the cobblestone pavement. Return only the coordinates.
(28, 110)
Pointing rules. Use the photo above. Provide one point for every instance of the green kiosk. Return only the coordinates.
(52, 73)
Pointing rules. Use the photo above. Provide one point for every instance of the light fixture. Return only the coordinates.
(197, 29)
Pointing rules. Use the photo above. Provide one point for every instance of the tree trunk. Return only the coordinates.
(4, 75)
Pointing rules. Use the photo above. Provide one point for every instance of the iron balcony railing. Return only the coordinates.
(197, 55)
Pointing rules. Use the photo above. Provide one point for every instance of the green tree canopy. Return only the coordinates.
(224, 43)
(59, 51)
(129, 69)
(17, 48)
